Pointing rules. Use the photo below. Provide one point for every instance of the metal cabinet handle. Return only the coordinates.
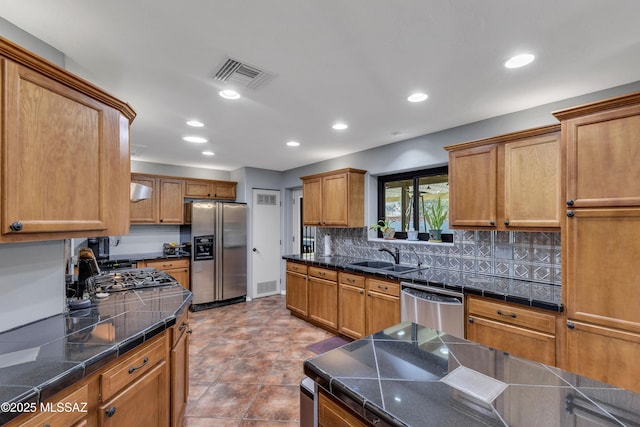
(570, 214)
(135, 368)
(350, 280)
(167, 265)
(570, 325)
(506, 222)
(492, 223)
(111, 411)
(361, 292)
(190, 331)
(182, 327)
(470, 319)
(506, 314)
(383, 287)
(570, 202)
(16, 226)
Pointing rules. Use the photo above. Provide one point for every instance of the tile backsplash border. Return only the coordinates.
(527, 256)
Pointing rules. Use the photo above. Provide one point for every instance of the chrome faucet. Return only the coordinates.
(417, 256)
(396, 256)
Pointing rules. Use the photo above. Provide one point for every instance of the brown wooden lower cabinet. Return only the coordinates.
(176, 268)
(146, 387)
(334, 414)
(143, 403)
(323, 301)
(297, 293)
(516, 330)
(604, 354)
(382, 305)
(179, 369)
(352, 311)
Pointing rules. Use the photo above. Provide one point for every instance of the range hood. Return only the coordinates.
(139, 192)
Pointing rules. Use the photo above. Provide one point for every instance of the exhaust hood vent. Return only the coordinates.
(241, 74)
(139, 192)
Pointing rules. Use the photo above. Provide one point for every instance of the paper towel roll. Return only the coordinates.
(327, 245)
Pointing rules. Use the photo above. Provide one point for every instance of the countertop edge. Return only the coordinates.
(467, 290)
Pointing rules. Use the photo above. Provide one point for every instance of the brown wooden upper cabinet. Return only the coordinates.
(334, 199)
(65, 153)
(508, 182)
(205, 189)
(166, 205)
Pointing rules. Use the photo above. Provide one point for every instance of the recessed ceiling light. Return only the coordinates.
(196, 139)
(229, 94)
(208, 153)
(293, 144)
(519, 60)
(195, 123)
(340, 126)
(417, 97)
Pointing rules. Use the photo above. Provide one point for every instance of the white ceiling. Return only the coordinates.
(351, 60)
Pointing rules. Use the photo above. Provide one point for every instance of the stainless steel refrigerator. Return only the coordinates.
(218, 253)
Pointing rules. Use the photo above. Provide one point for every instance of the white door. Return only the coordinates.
(265, 255)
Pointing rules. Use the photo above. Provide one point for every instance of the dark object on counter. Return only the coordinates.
(99, 246)
(87, 267)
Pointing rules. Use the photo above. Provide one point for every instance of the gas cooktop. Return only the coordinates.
(128, 279)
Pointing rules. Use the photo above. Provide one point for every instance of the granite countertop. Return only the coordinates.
(410, 375)
(543, 295)
(40, 359)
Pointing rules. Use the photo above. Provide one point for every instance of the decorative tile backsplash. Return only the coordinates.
(517, 255)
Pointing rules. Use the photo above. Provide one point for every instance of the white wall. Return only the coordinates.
(144, 239)
(181, 171)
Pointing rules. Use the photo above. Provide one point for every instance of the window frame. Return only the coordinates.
(415, 177)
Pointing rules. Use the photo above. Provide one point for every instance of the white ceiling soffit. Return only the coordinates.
(241, 74)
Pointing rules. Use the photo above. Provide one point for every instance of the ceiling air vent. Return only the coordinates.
(241, 74)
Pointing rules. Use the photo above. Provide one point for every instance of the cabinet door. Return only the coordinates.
(352, 311)
(181, 275)
(532, 194)
(335, 200)
(601, 281)
(323, 302)
(603, 153)
(297, 293)
(171, 201)
(382, 311)
(473, 186)
(312, 201)
(179, 378)
(224, 190)
(145, 211)
(143, 403)
(57, 147)
(604, 354)
(334, 414)
(197, 189)
(512, 339)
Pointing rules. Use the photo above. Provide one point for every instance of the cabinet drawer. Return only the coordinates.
(384, 287)
(166, 264)
(180, 328)
(352, 280)
(297, 268)
(323, 273)
(507, 313)
(74, 403)
(133, 367)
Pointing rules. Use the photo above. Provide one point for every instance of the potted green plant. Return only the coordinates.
(435, 214)
(385, 227)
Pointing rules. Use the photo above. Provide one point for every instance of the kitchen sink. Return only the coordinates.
(373, 264)
(384, 267)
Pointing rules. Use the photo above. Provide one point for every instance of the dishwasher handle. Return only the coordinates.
(433, 297)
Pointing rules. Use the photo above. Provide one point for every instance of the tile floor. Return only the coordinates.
(246, 365)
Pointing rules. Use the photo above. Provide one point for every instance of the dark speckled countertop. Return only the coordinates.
(410, 375)
(39, 359)
(543, 295)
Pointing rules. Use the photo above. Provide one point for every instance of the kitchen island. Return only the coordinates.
(44, 358)
(409, 375)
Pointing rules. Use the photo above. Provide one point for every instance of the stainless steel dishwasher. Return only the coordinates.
(436, 308)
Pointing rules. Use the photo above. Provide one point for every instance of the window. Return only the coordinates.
(403, 199)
